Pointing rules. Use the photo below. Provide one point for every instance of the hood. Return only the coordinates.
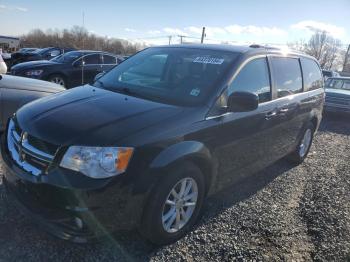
(33, 64)
(90, 116)
(337, 92)
(23, 83)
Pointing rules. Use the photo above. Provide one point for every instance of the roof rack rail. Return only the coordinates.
(256, 46)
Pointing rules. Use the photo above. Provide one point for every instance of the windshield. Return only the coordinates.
(338, 84)
(181, 76)
(68, 57)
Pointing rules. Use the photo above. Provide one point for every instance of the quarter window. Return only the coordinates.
(287, 76)
(254, 78)
(312, 75)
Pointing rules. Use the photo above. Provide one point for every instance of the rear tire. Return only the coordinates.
(163, 210)
(303, 148)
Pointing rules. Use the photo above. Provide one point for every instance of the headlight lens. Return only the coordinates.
(97, 162)
(33, 72)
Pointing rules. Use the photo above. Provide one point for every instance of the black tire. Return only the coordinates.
(151, 226)
(296, 157)
(58, 79)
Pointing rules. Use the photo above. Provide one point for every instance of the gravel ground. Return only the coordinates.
(282, 213)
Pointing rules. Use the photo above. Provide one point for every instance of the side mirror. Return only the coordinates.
(242, 102)
(77, 63)
(99, 75)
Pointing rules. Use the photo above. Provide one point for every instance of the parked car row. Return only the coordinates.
(152, 138)
(32, 54)
(70, 69)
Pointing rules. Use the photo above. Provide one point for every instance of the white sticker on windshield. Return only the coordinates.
(195, 92)
(208, 60)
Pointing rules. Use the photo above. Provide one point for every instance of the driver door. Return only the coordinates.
(246, 139)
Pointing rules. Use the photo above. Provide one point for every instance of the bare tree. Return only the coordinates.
(326, 49)
(79, 38)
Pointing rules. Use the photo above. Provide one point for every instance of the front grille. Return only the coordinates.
(337, 101)
(33, 159)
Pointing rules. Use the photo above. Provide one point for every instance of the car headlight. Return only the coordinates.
(97, 162)
(34, 73)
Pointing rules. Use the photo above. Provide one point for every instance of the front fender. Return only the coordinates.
(179, 151)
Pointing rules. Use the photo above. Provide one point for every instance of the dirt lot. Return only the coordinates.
(282, 213)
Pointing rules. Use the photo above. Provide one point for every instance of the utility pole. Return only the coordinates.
(169, 39)
(181, 36)
(203, 35)
(346, 58)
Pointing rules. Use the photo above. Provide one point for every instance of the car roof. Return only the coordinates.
(339, 77)
(243, 49)
(92, 51)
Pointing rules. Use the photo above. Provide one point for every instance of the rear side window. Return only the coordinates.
(92, 59)
(287, 76)
(312, 75)
(254, 78)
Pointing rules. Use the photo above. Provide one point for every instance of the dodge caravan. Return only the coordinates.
(151, 139)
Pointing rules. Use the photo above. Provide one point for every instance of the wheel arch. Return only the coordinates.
(192, 151)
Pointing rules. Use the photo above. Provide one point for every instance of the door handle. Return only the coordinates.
(270, 115)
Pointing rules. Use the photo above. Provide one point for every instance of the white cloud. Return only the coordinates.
(23, 9)
(174, 31)
(255, 30)
(314, 26)
(131, 30)
(16, 8)
(153, 32)
(209, 31)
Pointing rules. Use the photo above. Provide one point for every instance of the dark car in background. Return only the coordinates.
(70, 69)
(329, 73)
(38, 54)
(337, 95)
(158, 133)
(17, 91)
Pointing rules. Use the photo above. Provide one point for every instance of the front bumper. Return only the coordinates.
(71, 213)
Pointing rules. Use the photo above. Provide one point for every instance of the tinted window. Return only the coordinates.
(312, 75)
(346, 84)
(109, 60)
(92, 59)
(254, 78)
(181, 76)
(334, 83)
(287, 76)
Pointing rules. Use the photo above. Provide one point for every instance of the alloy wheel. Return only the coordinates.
(57, 80)
(180, 205)
(305, 143)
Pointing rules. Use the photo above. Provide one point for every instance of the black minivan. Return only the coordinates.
(147, 142)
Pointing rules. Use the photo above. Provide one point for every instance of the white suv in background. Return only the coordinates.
(3, 66)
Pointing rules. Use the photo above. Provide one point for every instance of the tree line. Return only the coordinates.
(78, 38)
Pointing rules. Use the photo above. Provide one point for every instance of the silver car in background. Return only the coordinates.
(3, 66)
(17, 91)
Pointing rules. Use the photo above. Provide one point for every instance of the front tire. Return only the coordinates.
(303, 148)
(58, 79)
(174, 205)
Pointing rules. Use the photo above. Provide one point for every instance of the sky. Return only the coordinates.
(152, 21)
